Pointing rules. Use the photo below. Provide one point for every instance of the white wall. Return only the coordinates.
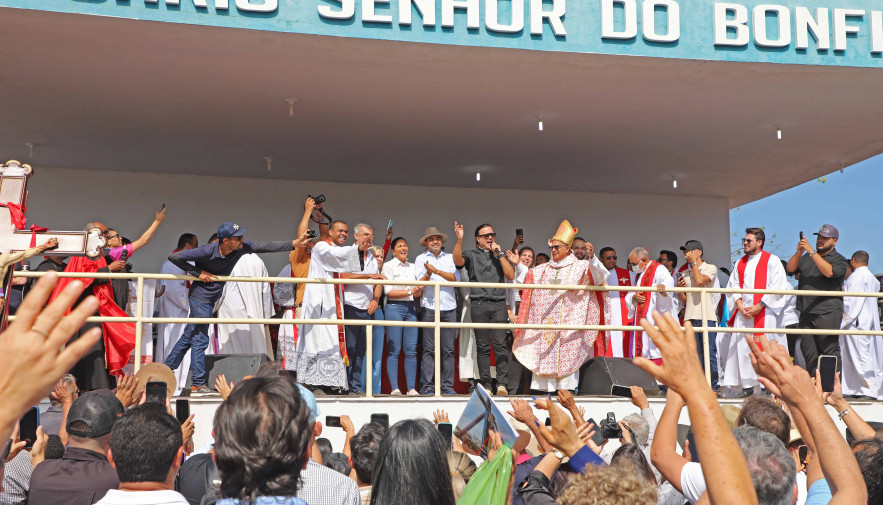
(66, 199)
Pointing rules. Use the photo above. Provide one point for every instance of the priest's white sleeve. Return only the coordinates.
(733, 283)
(852, 305)
(337, 259)
(599, 273)
(776, 279)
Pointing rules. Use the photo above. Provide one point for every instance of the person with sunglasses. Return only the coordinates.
(620, 341)
(486, 263)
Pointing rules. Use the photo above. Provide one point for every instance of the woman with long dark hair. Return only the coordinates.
(412, 467)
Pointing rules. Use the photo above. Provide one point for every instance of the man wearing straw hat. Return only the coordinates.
(437, 265)
(555, 356)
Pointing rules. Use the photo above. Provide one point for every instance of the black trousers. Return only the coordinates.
(813, 346)
(488, 311)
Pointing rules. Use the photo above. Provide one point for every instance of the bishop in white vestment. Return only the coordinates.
(245, 300)
(862, 370)
(756, 270)
(321, 358)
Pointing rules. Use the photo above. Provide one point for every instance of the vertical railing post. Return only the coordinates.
(705, 348)
(139, 328)
(438, 356)
(369, 356)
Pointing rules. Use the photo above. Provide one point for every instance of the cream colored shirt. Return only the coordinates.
(694, 308)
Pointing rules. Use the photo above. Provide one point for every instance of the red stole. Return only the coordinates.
(119, 338)
(623, 278)
(338, 304)
(641, 308)
(600, 347)
(760, 282)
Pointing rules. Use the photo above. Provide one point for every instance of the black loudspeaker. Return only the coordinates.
(599, 376)
(233, 366)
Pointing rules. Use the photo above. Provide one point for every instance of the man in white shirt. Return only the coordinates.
(146, 449)
(642, 304)
(360, 302)
(862, 371)
(173, 303)
(434, 264)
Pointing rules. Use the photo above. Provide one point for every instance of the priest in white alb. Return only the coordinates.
(862, 370)
(758, 269)
(642, 304)
(620, 341)
(555, 356)
(321, 358)
(173, 302)
(245, 300)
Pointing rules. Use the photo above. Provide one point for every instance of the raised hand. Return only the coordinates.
(562, 434)
(126, 390)
(639, 399)
(347, 425)
(680, 370)
(521, 411)
(440, 416)
(223, 387)
(458, 230)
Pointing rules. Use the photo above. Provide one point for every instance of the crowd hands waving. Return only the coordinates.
(267, 446)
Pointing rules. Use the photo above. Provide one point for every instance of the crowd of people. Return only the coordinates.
(331, 358)
(121, 448)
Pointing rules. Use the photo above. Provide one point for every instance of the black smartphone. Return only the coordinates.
(157, 391)
(163, 208)
(548, 421)
(332, 421)
(598, 437)
(382, 419)
(623, 391)
(447, 433)
(801, 235)
(519, 232)
(827, 366)
(182, 409)
(27, 426)
(802, 453)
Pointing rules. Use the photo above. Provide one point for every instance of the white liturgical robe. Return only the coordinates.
(245, 300)
(735, 363)
(173, 303)
(661, 302)
(319, 361)
(862, 354)
(619, 311)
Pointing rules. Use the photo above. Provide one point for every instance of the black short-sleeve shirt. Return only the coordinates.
(811, 279)
(484, 266)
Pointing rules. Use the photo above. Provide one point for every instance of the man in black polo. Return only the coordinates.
(485, 263)
(210, 261)
(83, 475)
(822, 269)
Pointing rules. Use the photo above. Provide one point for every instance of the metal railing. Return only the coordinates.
(437, 324)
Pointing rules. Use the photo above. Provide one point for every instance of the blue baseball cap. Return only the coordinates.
(230, 229)
(308, 398)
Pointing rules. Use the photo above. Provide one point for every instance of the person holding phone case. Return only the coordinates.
(822, 269)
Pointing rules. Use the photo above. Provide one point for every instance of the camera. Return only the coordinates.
(609, 428)
(320, 199)
(312, 234)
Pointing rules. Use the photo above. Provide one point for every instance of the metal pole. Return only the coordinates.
(369, 355)
(438, 356)
(705, 349)
(139, 316)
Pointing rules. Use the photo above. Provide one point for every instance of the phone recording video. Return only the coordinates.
(447, 433)
(182, 410)
(827, 367)
(157, 392)
(27, 427)
(382, 419)
(332, 421)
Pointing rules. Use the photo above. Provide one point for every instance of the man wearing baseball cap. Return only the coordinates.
(822, 269)
(83, 475)
(700, 274)
(208, 262)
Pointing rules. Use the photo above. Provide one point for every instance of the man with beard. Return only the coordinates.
(822, 269)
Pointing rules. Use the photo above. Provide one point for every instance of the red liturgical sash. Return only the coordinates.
(760, 282)
(641, 308)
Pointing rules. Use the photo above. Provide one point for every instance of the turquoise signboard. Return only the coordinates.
(809, 32)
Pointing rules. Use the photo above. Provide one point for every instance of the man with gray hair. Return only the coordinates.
(643, 425)
(643, 304)
(360, 303)
(772, 468)
(51, 419)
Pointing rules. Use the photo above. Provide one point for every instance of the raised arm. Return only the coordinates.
(662, 451)
(147, 235)
(459, 261)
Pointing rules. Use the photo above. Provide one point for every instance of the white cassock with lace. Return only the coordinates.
(862, 354)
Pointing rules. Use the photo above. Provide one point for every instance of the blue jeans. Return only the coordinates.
(712, 349)
(355, 347)
(195, 338)
(377, 353)
(398, 337)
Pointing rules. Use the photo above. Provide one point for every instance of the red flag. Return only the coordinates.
(16, 214)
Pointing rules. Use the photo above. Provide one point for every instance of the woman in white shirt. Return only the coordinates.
(400, 306)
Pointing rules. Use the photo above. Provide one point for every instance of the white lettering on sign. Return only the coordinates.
(493, 23)
(723, 23)
(842, 28)
(425, 7)
(470, 6)
(877, 32)
(650, 31)
(369, 15)
(761, 30)
(347, 10)
(537, 14)
(673, 20)
(608, 24)
(818, 25)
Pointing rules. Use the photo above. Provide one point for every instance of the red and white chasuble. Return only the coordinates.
(556, 356)
(620, 341)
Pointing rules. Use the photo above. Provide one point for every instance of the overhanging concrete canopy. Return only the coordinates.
(114, 94)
